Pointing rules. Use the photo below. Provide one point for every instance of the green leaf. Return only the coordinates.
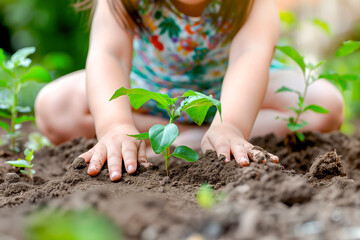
(286, 89)
(36, 74)
(185, 153)
(3, 83)
(161, 137)
(19, 163)
(196, 107)
(294, 126)
(347, 48)
(24, 118)
(5, 126)
(316, 108)
(295, 110)
(322, 25)
(139, 96)
(29, 155)
(205, 196)
(313, 67)
(294, 55)
(20, 57)
(300, 136)
(2, 56)
(141, 136)
(24, 172)
(287, 17)
(4, 114)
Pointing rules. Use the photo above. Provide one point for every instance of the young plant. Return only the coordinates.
(25, 163)
(14, 74)
(295, 124)
(195, 104)
(206, 197)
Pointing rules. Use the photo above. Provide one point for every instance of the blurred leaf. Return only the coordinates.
(294, 55)
(286, 89)
(5, 126)
(24, 118)
(300, 136)
(294, 126)
(20, 57)
(19, 163)
(287, 17)
(37, 74)
(316, 108)
(141, 136)
(205, 196)
(324, 26)
(347, 48)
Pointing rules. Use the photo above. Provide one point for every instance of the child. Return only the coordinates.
(171, 46)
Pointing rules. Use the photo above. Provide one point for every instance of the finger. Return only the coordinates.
(142, 159)
(222, 147)
(240, 155)
(97, 160)
(114, 160)
(274, 158)
(130, 155)
(87, 155)
(257, 154)
(206, 145)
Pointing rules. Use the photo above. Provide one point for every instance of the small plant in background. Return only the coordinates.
(195, 104)
(14, 74)
(206, 197)
(25, 163)
(37, 141)
(64, 224)
(295, 124)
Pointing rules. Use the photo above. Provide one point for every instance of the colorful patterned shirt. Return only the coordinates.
(179, 53)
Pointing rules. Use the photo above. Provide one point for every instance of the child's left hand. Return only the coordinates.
(226, 139)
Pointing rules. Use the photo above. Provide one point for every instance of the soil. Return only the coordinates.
(312, 193)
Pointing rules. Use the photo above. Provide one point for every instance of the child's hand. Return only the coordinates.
(226, 139)
(114, 146)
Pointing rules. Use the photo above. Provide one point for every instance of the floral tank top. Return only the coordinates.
(179, 53)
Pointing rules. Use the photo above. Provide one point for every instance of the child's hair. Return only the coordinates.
(230, 10)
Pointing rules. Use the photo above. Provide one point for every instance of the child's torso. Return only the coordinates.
(181, 52)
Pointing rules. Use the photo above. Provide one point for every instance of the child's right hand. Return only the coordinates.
(113, 147)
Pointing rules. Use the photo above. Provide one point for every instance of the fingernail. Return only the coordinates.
(131, 169)
(226, 160)
(244, 161)
(115, 176)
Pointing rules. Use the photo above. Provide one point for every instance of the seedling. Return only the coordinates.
(206, 197)
(295, 124)
(195, 104)
(25, 163)
(14, 74)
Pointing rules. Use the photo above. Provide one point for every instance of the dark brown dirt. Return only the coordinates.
(313, 193)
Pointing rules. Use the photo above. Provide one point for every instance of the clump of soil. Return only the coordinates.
(327, 166)
(306, 196)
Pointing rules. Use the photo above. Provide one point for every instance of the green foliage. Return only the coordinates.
(206, 197)
(295, 124)
(347, 48)
(58, 224)
(195, 104)
(37, 141)
(54, 27)
(14, 74)
(321, 24)
(25, 163)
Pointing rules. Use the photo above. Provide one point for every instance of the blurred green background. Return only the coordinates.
(61, 35)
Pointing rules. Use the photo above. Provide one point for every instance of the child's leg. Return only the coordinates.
(321, 93)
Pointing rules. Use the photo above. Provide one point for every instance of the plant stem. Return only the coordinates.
(307, 84)
(13, 112)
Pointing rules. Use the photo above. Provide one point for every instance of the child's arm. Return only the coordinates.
(245, 82)
(107, 69)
